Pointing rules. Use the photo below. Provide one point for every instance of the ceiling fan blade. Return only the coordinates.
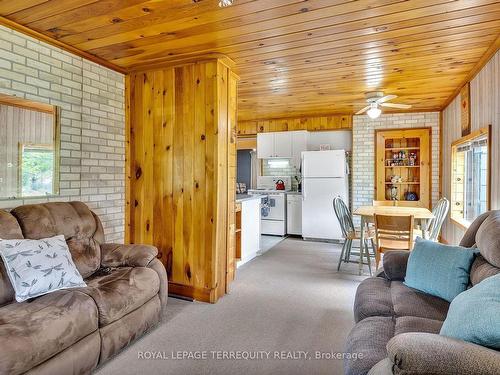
(363, 110)
(395, 105)
(386, 98)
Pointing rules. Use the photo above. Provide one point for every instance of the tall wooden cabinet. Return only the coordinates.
(403, 166)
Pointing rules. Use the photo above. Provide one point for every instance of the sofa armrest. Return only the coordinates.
(394, 264)
(428, 353)
(117, 255)
(384, 367)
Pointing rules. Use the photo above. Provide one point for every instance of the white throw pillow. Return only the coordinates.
(37, 267)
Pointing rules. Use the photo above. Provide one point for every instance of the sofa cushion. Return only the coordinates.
(474, 315)
(438, 269)
(377, 296)
(416, 324)
(32, 332)
(121, 291)
(411, 302)
(481, 270)
(80, 227)
(37, 267)
(9, 229)
(488, 238)
(373, 298)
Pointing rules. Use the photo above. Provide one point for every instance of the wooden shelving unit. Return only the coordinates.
(403, 162)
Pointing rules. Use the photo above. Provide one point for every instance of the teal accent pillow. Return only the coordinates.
(440, 270)
(474, 315)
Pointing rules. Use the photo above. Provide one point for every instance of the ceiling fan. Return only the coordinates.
(376, 99)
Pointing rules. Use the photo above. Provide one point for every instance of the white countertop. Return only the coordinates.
(247, 197)
(288, 192)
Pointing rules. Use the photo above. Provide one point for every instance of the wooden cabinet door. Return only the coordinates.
(283, 145)
(294, 214)
(265, 145)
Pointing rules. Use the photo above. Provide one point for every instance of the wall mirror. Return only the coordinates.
(29, 148)
(470, 180)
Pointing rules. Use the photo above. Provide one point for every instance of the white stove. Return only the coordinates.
(273, 208)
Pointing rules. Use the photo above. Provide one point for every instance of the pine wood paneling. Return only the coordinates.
(485, 110)
(180, 165)
(333, 122)
(296, 58)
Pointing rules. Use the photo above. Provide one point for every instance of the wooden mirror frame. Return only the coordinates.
(56, 142)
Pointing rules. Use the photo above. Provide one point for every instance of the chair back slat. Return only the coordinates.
(394, 232)
(344, 216)
(439, 211)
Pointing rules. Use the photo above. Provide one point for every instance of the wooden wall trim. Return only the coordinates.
(195, 59)
(312, 123)
(54, 42)
(490, 52)
(196, 293)
(31, 105)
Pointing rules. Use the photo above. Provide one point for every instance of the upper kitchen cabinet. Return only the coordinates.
(299, 144)
(265, 145)
(283, 144)
(274, 145)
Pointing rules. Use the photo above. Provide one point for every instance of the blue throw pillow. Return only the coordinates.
(440, 270)
(474, 315)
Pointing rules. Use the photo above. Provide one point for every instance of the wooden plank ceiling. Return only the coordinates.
(295, 57)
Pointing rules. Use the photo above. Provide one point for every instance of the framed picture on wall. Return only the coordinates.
(465, 109)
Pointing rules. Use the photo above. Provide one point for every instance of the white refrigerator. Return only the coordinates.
(324, 177)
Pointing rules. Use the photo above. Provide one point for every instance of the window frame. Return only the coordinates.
(486, 131)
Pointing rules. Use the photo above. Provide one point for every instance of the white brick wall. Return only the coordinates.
(364, 150)
(91, 101)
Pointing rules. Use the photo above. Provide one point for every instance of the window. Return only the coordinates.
(470, 177)
(37, 170)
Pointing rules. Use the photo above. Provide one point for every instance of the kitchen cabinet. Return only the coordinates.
(265, 145)
(299, 144)
(294, 214)
(274, 145)
(247, 229)
(283, 145)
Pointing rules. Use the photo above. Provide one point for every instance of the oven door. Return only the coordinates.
(276, 210)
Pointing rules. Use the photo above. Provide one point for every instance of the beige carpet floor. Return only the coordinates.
(288, 301)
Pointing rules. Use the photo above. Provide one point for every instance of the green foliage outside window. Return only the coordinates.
(37, 171)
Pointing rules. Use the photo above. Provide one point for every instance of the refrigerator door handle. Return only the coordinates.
(303, 190)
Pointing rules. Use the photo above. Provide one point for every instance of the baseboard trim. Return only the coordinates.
(192, 292)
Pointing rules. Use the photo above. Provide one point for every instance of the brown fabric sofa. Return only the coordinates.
(72, 331)
(397, 328)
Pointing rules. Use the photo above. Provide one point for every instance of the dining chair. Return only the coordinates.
(433, 228)
(350, 233)
(392, 233)
(385, 203)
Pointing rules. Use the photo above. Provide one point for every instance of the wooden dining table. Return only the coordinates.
(420, 214)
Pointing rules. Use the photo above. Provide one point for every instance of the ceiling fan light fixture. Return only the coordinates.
(225, 3)
(374, 112)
